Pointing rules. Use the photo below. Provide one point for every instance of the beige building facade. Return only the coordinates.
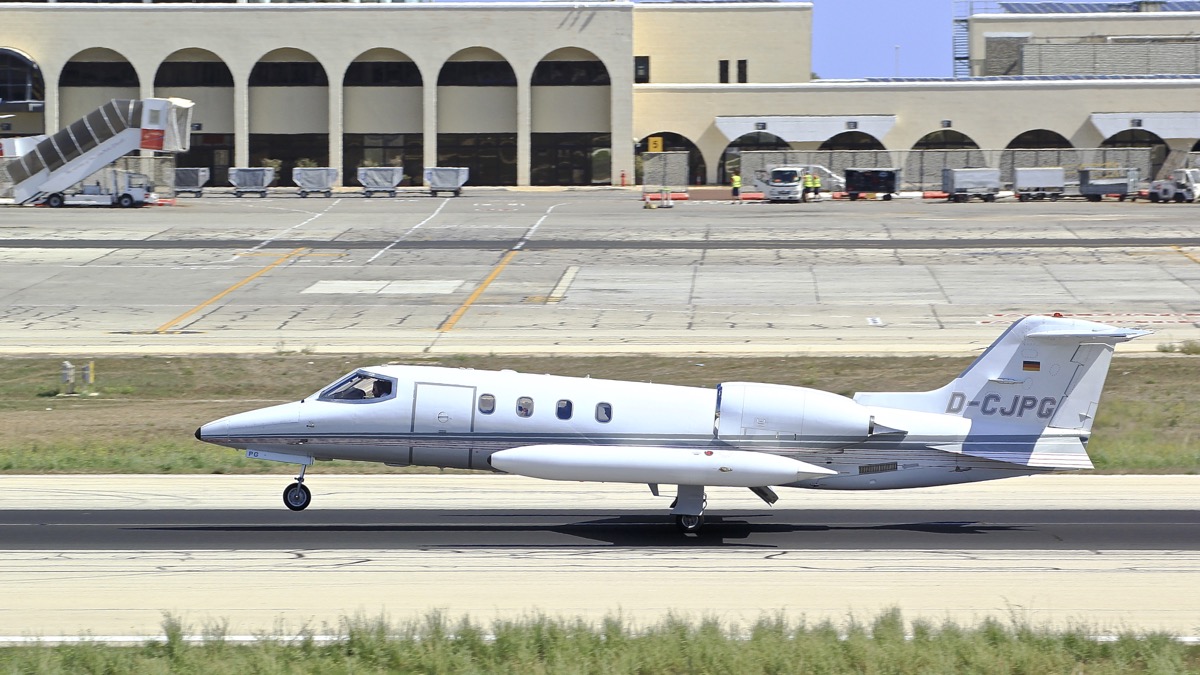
(548, 93)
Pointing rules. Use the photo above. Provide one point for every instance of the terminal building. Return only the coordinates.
(557, 93)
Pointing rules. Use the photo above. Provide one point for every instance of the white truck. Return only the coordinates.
(780, 184)
(111, 187)
(1182, 186)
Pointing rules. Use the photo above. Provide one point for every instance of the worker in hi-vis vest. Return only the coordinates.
(736, 182)
(812, 186)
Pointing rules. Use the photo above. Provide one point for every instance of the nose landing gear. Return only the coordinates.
(297, 496)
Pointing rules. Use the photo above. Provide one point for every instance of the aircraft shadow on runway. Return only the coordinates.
(619, 530)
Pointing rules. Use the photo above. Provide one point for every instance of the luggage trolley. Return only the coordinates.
(318, 179)
(446, 179)
(380, 179)
(251, 179)
(191, 180)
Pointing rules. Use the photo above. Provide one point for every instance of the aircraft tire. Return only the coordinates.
(297, 497)
(688, 524)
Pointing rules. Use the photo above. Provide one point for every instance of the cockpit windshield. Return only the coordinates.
(785, 176)
(359, 387)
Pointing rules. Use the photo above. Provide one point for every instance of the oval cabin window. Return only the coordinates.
(524, 407)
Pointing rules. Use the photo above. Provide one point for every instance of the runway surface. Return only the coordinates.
(791, 529)
(1108, 552)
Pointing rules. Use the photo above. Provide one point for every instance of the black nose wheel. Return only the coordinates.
(297, 496)
(689, 524)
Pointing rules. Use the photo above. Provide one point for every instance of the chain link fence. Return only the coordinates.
(921, 170)
(664, 171)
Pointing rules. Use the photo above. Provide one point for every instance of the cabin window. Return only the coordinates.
(603, 412)
(524, 407)
(359, 387)
(487, 404)
(563, 409)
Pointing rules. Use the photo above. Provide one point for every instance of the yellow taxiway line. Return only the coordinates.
(166, 327)
(448, 324)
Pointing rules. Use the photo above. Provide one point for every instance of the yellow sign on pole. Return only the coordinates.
(654, 144)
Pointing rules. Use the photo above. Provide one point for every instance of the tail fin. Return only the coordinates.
(1040, 381)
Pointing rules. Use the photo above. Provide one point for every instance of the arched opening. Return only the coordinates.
(92, 78)
(201, 76)
(1039, 139)
(571, 138)
(289, 112)
(852, 140)
(697, 169)
(477, 116)
(22, 95)
(945, 139)
(731, 158)
(1196, 147)
(1140, 138)
(383, 115)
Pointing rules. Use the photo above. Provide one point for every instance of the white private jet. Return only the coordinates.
(1024, 406)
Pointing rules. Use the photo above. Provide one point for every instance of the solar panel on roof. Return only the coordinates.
(1093, 7)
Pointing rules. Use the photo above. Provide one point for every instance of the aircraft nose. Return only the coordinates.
(198, 436)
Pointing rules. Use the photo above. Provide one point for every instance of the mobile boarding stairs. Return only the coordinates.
(47, 165)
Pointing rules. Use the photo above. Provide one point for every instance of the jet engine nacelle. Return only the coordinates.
(753, 413)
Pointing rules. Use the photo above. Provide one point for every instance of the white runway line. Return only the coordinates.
(412, 229)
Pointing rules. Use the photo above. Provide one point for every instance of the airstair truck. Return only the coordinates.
(65, 158)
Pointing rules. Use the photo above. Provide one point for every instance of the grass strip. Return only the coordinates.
(537, 644)
(145, 409)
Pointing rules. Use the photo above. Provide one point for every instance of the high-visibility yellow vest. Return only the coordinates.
(736, 181)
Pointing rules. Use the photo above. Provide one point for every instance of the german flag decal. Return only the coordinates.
(1034, 366)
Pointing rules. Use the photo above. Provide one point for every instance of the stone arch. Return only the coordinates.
(731, 160)
(1037, 139)
(852, 140)
(673, 142)
(383, 114)
(91, 78)
(289, 111)
(1141, 138)
(22, 91)
(477, 115)
(571, 119)
(945, 139)
(203, 77)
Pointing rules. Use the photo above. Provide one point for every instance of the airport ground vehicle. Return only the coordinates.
(246, 180)
(1095, 183)
(1045, 182)
(315, 180)
(960, 185)
(111, 187)
(882, 182)
(781, 183)
(380, 179)
(1182, 186)
(446, 179)
(191, 180)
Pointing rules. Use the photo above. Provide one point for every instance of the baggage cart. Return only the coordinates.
(960, 185)
(319, 179)
(1095, 183)
(191, 180)
(380, 179)
(446, 179)
(1043, 182)
(877, 181)
(251, 180)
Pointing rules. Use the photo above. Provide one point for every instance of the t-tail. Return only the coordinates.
(1029, 399)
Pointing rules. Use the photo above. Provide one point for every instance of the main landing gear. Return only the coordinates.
(297, 496)
(688, 508)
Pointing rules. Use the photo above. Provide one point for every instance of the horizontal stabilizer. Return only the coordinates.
(649, 464)
(1055, 452)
